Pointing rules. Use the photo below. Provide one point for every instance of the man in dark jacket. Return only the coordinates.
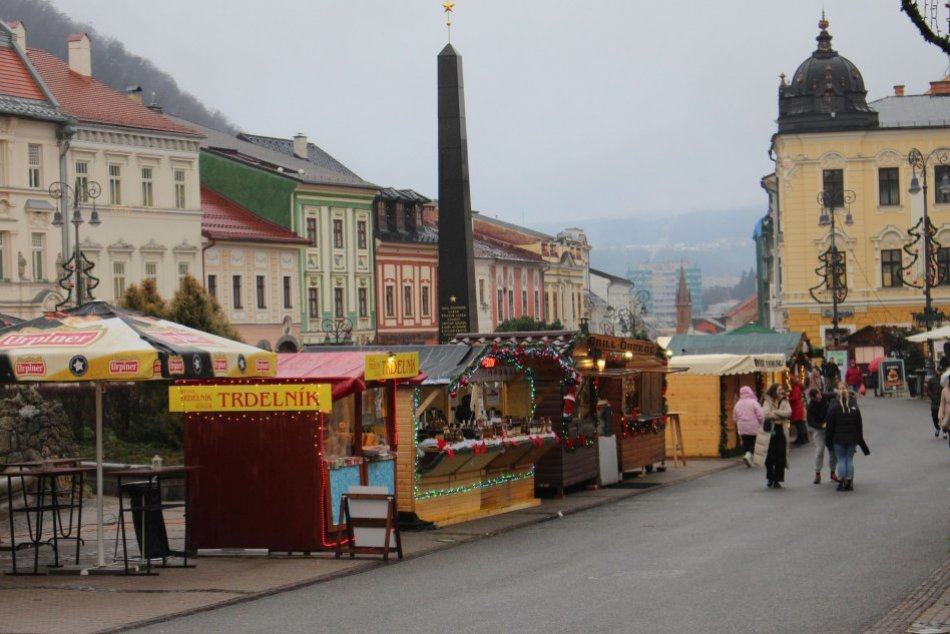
(844, 433)
(933, 391)
(831, 372)
(817, 415)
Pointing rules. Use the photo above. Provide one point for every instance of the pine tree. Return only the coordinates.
(144, 298)
(193, 307)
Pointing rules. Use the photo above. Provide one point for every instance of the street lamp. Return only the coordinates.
(932, 274)
(832, 261)
(336, 331)
(78, 266)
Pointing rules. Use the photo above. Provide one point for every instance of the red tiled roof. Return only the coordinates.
(222, 219)
(15, 78)
(744, 305)
(91, 101)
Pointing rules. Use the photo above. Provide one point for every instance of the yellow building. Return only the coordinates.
(843, 162)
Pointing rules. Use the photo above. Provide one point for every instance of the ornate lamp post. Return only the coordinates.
(932, 275)
(77, 269)
(832, 266)
(336, 331)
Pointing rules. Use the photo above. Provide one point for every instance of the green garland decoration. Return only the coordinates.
(913, 12)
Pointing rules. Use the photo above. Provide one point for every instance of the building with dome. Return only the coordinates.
(842, 161)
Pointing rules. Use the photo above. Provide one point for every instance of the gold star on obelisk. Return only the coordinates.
(452, 299)
(448, 6)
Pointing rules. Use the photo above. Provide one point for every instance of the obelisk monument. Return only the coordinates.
(457, 308)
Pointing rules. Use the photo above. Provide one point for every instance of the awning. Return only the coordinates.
(441, 364)
(937, 333)
(726, 364)
(342, 370)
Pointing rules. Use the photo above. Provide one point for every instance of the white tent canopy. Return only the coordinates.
(726, 364)
(938, 333)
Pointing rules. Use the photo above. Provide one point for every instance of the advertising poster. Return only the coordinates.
(892, 379)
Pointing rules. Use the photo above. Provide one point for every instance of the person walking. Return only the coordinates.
(935, 393)
(797, 401)
(844, 433)
(815, 381)
(817, 417)
(749, 417)
(854, 377)
(943, 411)
(831, 372)
(777, 411)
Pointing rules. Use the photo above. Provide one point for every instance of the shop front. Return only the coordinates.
(629, 375)
(273, 478)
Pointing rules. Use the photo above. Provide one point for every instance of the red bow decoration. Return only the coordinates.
(440, 443)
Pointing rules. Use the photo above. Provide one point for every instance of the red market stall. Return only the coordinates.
(273, 470)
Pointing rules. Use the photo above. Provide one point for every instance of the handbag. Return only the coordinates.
(767, 425)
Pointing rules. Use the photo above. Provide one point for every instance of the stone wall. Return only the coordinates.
(32, 428)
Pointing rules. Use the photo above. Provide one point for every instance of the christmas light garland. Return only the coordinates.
(483, 484)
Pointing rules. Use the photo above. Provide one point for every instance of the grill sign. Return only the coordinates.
(49, 339)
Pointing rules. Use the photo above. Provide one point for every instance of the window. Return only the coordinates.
(237, 301)
(151, 271)
(179, 189)
(537, 304)
(407, 301)
(33, 167)
(38, 244)
(833, 187)
(338, 303)
(261, 296)
(312, 231)
(361, 234)
(409, 218)
(425, 301)
(943, 267)
(391, 217)
(118, 280)
(361, 300)
(891, 268)
(287, 295)
(524, 302)
(337, 234)
(888, 186)
(3, 254)
(481, 291)
(182, 271)
(213, 286)
(390, 301)
(511, 303)
(82, 181)
(147, 200)
(115, 184)
(501, 305)
(941, 172)
(313, 304)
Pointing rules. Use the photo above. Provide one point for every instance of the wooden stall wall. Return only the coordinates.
(561, 467)
(406, 450)
(696, 398)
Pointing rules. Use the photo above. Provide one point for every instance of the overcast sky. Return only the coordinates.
(575, 108)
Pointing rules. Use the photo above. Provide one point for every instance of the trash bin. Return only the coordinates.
(145, 505)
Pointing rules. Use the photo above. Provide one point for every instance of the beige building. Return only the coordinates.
(146, 169)
(839, 157)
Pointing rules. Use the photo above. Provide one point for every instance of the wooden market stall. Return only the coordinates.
(548, 356)
(631, 375)
(275, 465)
(704, 388)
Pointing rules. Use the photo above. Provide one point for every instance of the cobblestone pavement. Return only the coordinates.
(925, 611)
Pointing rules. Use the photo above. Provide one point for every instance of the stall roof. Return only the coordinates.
(343, 369)
(785, 343)
(441, 364)
(726, 364)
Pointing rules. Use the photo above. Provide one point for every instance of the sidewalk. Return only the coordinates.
(107, 603)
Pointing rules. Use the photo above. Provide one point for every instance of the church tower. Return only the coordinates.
(684, 306)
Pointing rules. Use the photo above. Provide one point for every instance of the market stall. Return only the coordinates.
(275, 467)
(630, 375)
(705, 387)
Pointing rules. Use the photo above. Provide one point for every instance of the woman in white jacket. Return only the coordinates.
(777, 411)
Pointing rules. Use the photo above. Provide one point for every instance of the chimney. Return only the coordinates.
(300, 146)
(80, 56)
(941, 87)
(899, 90)
(134, 93)
(19, 33)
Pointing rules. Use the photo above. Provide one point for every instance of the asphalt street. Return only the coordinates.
(719, 554)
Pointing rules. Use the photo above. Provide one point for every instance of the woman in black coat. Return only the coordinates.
(844, 433)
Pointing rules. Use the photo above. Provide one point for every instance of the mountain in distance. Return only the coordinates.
(719, 242)
(48, 28)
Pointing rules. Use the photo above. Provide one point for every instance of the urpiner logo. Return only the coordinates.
(220, 364)
(176, 365)
(49, 339)
(126, 366)
(263, 365)
(30, 367)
